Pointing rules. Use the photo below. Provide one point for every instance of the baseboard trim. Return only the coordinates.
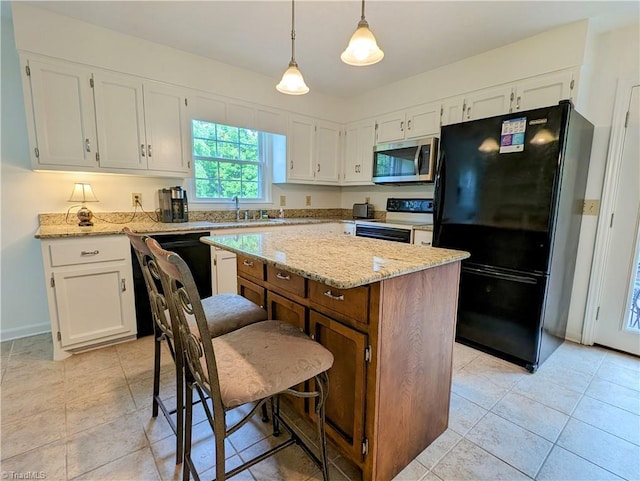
(24, 331)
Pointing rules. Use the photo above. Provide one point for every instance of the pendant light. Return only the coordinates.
(363, 48)
(292, 82)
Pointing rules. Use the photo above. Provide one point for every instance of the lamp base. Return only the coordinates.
(84, 216)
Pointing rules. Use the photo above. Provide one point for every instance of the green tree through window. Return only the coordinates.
(227, 161)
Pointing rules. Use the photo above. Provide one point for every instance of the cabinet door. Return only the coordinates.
(271, 121)
(63, 112)
(120, 121)
(422, 237)
(488, 103)
(94, 302)
(390, 127)
(166, 127)
(345, 408)
(452, 111)
(543, 91)
(328, 147)
(349, 229)
(226, 272)
(301, 148)
(423, 120)
(360, 139)
(251, 291)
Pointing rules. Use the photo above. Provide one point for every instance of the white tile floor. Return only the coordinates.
(88, 418)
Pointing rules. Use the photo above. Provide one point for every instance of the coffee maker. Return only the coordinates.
(173, 205)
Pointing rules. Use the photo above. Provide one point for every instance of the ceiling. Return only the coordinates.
(416, 36)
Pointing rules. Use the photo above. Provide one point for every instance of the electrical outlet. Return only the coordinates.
(307, 202)
(136, 197)
(591, 207)
(283, 200)
(367, 200)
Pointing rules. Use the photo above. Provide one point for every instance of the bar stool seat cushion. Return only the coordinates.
(263, 359)
(228, 312)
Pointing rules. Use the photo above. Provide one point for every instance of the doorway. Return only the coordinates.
(615, 283)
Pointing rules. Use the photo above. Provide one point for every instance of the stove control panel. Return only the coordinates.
(417, 206)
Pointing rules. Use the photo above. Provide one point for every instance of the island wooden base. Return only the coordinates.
(410, 383)
(392, 341)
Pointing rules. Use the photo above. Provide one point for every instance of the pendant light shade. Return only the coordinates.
(292, 82)
(363, 48)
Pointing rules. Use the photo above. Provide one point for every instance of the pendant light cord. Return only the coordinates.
(293, 32)
(362, 16)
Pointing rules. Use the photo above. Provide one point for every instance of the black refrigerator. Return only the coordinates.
(510, 191)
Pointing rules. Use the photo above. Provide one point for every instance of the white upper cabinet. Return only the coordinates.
(360, 138)
(328, 149)
(120, 118)
(141, 125)
(544, 91)
(452, 110)
(313, 148)
(420, 121)
(487, 103)
(167, 128)
(62, 122)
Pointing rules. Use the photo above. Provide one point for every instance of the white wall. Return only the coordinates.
(609, 57)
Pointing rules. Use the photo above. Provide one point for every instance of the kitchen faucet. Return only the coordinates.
(237, 201)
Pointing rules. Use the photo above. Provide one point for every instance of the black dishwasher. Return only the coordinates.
(197, 256)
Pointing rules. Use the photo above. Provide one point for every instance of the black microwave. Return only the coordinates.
(409, 161)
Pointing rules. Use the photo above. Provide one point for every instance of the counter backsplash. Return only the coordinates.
(197, 216)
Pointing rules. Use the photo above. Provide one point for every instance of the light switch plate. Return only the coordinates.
(283, 200)
(308, 201)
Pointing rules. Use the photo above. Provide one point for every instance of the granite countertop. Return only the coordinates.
(73, 230)
(334, 259)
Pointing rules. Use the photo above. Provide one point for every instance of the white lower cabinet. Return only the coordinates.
(90, 292)
(225, 280)
(422, 237)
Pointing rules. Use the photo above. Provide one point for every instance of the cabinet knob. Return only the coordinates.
(518, 103)
(409, 124)
(402, 126)
(123, 285)
(149, 150)
(318, 167)
(247, 263)
(90, 253)
(142, 151)
(284, 277)
(425, 243)
(87, 145)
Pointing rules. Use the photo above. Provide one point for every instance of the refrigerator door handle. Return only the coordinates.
(438, 192)
(501, 275)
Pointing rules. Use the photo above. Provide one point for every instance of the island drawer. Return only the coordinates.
(251, 267)
(353, 303)
(102, 249)
(286, 281)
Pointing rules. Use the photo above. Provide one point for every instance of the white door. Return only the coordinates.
(452, 111)
(120, 120)
(617, 324)
(423, 120)
(166, 127)
(93, 303)
(226, 272)
(543, 91)
(64, 116)
(301, 148)
(391, 127)
(328, 147)
(487, 103)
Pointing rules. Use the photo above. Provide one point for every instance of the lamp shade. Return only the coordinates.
(82, 193)
(363, 48)
(292, 82)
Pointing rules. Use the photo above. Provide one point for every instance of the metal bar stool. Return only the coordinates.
(224, 313)
(249, 365)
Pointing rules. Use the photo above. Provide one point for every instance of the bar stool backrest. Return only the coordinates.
(184, 302)
(151, 275)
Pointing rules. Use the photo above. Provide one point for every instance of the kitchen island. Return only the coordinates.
(387, 312)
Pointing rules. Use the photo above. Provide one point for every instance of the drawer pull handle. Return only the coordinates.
(331, 295)
(90, 253)
(247, 263)
(283, 277)
(425, 243)
(123, 285)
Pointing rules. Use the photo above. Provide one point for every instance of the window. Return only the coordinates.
(229, 161)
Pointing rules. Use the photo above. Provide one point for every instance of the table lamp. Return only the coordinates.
(83, 193)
